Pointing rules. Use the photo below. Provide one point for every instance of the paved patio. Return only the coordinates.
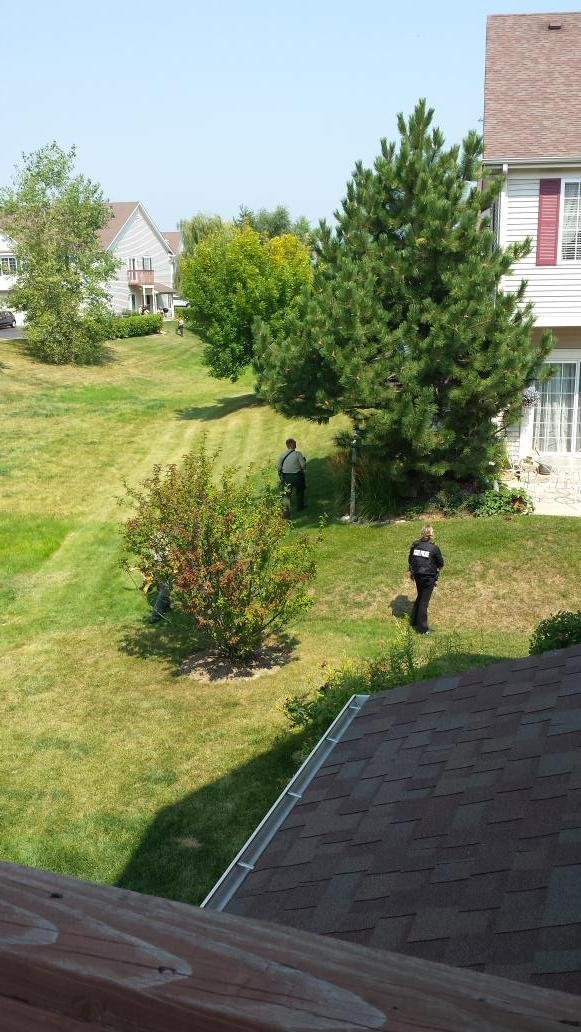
(554, 494)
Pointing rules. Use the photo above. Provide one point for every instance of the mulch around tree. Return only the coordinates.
(212, 665)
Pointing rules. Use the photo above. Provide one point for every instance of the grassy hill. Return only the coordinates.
(113, 767)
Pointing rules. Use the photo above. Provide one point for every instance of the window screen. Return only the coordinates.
(571, 246)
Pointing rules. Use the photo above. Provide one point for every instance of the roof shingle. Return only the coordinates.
(533, 86)
(445, 824)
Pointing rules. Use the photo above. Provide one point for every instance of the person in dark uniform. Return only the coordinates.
(291, 470)
(425, 562)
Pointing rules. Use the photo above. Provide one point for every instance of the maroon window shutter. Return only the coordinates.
(548, 228)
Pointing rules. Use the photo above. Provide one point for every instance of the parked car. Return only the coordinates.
(7, 319)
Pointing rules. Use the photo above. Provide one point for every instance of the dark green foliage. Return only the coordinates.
(134, 325)
(405, 328)
(507, 501)
(556, 632)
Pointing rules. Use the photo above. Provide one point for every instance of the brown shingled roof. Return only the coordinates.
(122, 210)
(533, 86)
(174, 240)
(445, 824)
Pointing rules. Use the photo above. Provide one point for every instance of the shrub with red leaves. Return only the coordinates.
(223, 546)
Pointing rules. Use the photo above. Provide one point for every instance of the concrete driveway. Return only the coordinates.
(7, 333)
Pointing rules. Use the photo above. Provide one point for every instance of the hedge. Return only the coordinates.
(134, 325)
(556, 632)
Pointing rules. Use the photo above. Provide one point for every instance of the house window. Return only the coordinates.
(571, 242)
(131, 263)
(8, 265)
(146, 263)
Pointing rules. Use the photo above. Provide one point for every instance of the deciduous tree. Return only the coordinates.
(235, 278)
(54, 218)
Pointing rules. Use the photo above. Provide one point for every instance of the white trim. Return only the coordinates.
(570, 356)
(566, 262)
(151, 224)
(532, 163)
(503, 209)
(121, 228)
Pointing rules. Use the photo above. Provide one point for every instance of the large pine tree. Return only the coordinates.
(406, 328)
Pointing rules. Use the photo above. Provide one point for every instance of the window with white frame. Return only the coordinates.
(571, 239)
(146, 263)
(131, 263)
(8, 265)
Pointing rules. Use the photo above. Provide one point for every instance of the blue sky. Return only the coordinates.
(204, 106)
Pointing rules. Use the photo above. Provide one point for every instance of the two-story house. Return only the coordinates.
(146, 274)
(147, 261)
(532, 133)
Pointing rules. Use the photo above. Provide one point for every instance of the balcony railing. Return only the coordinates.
(81, 956)
(144, 277)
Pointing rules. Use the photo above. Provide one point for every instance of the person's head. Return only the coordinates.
(291, 443)
(427, 533)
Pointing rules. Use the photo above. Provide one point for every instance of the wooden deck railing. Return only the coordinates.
(145, 277)
(76, 957)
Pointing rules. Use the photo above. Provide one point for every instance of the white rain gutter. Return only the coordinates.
(245, 861)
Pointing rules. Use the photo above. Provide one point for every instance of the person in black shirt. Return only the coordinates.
(425, 562)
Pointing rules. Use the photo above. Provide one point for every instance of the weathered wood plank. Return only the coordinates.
(113, 959)
(20, 1017)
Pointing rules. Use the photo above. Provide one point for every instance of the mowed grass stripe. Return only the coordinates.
(112, 766)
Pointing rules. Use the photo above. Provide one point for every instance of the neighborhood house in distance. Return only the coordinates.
(146, 275)
(532, 132)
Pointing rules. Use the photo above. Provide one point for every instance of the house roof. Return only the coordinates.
(174, 240)
(122, 211)
(444, 824)
(532, 90)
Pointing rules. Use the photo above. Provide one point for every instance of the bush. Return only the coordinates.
(231, 560)
(507, 501)
(134, 325)
(402, 662)
(556, 632)
(62, 340)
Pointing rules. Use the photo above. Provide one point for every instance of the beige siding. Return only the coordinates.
(555, 290)
(138, 240)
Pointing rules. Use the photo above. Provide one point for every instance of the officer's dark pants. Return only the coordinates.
(419, 616)
(295, 483)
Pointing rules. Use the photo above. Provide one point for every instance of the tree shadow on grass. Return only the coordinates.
(321, 494)
(223, 407)
(190, 843)
(174, 639)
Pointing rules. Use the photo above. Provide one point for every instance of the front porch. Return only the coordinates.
(147, 292)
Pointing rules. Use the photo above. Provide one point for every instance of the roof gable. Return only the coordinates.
(533, 86)
(122, 212)
(174, 239)
(445, 824)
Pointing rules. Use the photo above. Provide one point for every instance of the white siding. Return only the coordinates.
(138, 240)
(7, 282)
(555, 290)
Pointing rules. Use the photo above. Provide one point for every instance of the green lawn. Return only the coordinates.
(112, 767)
